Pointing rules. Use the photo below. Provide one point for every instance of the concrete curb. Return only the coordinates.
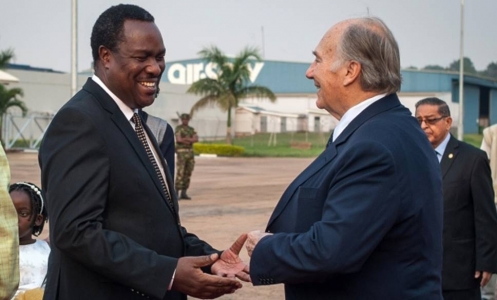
(207, 155)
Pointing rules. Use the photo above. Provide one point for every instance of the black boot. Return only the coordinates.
(183, 195)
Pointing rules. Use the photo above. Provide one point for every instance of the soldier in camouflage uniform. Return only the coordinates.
(185, 161)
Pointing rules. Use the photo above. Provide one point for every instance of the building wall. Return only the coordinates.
(321, 121)
(417, 81)
(280, 76)
(46, 92)
(409, 100)
(493, 106)
(245, 122)
(298, 104)
(471, 107)
(209, 122)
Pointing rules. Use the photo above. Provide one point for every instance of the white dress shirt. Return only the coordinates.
(352, 113)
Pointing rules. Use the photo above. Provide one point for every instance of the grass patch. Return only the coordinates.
(278, 145)
(258, 145)
(473, 139)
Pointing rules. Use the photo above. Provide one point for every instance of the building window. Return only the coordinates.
(317, 124)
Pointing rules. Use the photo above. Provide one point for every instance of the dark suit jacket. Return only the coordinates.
(364, 220)
(113, 236)
(165, 140)
(470, 218)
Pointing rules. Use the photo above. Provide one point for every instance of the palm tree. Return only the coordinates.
(5, 57)
(9, 98)
(231, 84)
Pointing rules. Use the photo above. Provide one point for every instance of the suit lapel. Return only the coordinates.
(385, 103)
(125, 127)
(449, 155)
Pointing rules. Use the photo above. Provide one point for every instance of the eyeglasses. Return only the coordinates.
(430, 121)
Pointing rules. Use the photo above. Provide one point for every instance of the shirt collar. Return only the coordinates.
(352, 113)
(126, 110)
(441, 148)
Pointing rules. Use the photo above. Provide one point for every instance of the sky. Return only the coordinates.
(427, 31)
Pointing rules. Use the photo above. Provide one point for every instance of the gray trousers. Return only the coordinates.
(488, 291)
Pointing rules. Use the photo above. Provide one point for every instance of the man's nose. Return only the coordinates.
(155, 67)
(310, 72)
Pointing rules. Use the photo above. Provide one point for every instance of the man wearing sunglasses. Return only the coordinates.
(470, 217)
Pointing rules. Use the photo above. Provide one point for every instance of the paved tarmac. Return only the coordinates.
(230, 196)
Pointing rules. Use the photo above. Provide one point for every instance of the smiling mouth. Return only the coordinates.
(148, 84)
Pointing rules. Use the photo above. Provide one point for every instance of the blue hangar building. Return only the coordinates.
(295, 106)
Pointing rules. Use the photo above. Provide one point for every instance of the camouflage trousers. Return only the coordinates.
(185, 162)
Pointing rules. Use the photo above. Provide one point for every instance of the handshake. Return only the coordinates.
(191, 280)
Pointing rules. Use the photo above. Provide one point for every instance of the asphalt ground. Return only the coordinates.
(229, 196)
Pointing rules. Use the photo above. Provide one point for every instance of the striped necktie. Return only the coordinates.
(143, 139)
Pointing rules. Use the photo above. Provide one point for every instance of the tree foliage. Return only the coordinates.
(469, 67)
(232, 82)
(5, 57)
(434, 68)
(491, 70)
(9, 97)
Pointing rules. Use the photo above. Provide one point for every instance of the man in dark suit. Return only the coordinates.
(470, 218)
(114, 224)
(364, 220)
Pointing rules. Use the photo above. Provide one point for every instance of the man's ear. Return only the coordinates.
(105, 56)
(352, 71)
(448, 122)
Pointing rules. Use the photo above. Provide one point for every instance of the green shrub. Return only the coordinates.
(219, 149)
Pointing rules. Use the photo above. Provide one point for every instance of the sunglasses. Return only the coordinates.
(430, 121)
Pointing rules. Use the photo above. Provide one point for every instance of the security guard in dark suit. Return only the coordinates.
(470, 218)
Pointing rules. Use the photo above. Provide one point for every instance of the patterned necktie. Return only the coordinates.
(143, 139)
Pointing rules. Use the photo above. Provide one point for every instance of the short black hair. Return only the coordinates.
(109, 27)
(443, 108)
(37, 204)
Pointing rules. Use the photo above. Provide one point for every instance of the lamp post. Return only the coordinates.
(74, 47)
(460, 123)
